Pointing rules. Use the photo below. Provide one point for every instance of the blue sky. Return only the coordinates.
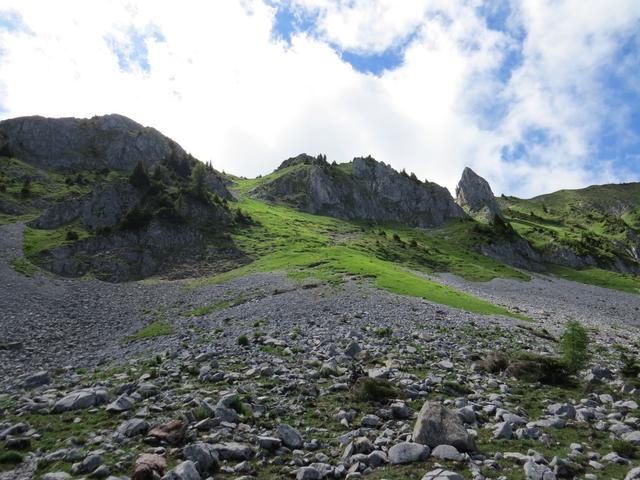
(509, 87)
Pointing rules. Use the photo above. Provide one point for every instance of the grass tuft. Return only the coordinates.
(23, 266)
(158, 328)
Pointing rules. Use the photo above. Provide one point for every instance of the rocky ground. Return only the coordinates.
(265, 378)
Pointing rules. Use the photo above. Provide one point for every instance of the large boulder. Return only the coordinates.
(474, 195)
(290, 436)
(407, 452)
(437, 425)
(203, 455)
(185, 471)
(81, 399)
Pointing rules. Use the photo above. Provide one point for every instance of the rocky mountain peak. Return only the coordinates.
(302, 159)
(112, 141)
(474, 195)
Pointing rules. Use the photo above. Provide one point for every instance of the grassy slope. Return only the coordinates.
(583, 220)
(304, 245)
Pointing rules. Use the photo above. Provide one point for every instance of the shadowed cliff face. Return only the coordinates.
(363, 190)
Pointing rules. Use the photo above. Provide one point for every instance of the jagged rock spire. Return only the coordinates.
(474, 195)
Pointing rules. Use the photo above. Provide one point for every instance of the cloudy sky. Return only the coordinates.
(535, 95)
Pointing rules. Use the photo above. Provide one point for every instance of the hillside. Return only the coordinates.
(591, 227)
(109, 198)
(161, 320)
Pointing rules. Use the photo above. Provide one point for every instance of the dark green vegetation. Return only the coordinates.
(574, 344)
(549, 370)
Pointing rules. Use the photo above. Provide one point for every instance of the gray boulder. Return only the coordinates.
(437, 425)
(203, 455)
(56, 476)
(442, 474)
(132, 428)
(633, 474)
(36, 380)
(308, 473)
(185, 471)
(407, 452)
(290, 436)
(120, 404)
(537, 471)
(233, 451)
(447, 452)
(81, 399)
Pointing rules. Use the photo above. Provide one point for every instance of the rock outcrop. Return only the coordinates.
(474, 195)
(363, 190)
(106, 206)
(111, 141)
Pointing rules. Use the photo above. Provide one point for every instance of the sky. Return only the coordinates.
(534, 95)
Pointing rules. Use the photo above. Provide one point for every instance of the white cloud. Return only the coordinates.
(223, 87)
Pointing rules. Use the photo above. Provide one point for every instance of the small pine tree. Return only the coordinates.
(25, 191)
(574, 344)
(139, 178)
(199, 181)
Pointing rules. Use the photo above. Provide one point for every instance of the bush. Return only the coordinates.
(630, 367)
(10, 457)
(135, 219)
(25, 191)
(368, 389)
(537, 368)
(623, 448)
(574, 343)
(528, 367)
(495, 362)
(242, 218)
(383, 331)
(243, 341)
(72, 236)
